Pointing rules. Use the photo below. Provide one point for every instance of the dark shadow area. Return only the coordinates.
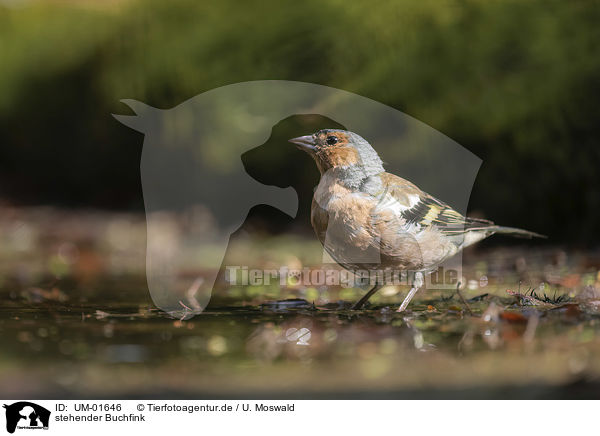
(278, 162)
(581, 389)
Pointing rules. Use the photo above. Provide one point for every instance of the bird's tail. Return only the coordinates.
(517, 233)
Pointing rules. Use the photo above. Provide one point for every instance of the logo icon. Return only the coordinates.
(26, 415)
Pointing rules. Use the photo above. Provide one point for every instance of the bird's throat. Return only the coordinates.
(353, 177)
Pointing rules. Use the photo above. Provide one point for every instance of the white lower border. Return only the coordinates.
(306, 417)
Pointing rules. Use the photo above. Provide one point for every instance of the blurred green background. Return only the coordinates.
(517, 83)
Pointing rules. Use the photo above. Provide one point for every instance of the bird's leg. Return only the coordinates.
(417, 284)
(360, 303)
(409, 297)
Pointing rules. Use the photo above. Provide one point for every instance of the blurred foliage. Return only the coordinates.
(517, 83)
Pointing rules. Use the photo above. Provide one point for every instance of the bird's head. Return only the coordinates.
(341, 150)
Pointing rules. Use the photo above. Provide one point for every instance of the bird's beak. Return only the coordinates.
(306, 143)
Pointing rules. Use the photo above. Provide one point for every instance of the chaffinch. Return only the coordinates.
(369, 219)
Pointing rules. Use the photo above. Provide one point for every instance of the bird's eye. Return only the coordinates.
(331, 140)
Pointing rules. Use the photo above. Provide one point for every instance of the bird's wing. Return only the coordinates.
(421, 209)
